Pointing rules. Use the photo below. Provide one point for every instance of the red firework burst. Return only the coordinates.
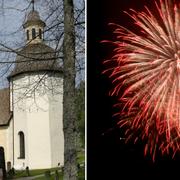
(147, 70)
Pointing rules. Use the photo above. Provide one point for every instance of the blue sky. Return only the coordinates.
(11, 19)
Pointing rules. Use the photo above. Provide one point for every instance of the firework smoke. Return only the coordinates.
(147, 71)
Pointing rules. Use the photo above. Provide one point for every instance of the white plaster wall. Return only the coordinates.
(9, 151)
(21, 92)
(3, 139)
(20, 124)
(56, 121)
(39, 115)
(39, 135)
(24, 109)
(6, 142)
(11, 101)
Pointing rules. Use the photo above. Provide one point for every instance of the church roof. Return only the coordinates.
(33, 18)
(5, 113)
(36, 57)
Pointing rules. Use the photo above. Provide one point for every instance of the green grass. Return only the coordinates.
(81, 173)
(81, 176)
(51, 178)
(81, 157)
(81, 160)
(23, 173)
(41, 171)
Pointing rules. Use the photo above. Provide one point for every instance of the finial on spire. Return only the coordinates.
(32, 4)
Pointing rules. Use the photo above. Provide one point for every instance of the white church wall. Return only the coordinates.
(20, 121)
(3, 138)
(56, 120)
(9, 150)
(39, 137)
(6, 141)
(39, 115)
(11, 101)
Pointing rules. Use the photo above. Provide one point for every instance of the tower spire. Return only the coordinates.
(34, 26)
(32, 4)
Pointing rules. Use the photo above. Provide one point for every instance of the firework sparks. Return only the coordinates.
(147, 70)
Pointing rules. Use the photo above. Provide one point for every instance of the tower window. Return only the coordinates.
(27, 32)
(21, 145)
(33, 33)
(40, 34)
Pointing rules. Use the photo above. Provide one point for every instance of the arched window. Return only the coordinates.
(33, 33)
(21, 145)
(40, 34)
(27, 32)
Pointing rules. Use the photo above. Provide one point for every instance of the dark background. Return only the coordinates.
(108, 157)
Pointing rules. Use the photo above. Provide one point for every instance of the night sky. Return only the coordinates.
(108, 156)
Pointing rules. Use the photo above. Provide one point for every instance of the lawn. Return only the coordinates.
(81, 176)
(81, 172)
(23, 173)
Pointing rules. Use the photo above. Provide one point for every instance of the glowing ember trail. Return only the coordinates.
(146, 78)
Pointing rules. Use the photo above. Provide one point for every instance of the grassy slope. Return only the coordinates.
(81, 173)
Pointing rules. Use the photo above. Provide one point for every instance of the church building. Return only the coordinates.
(31, 110)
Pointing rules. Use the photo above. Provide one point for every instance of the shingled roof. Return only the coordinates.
(5, 114)
(36, 57)
(33, 18)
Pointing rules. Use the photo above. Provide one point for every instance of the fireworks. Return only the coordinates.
(147, 71)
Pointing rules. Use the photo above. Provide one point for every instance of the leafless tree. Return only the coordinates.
(69, 115)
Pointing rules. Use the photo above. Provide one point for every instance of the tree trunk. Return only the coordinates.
(69, 115)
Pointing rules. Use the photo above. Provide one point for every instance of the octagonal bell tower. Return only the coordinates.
(34, 28)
